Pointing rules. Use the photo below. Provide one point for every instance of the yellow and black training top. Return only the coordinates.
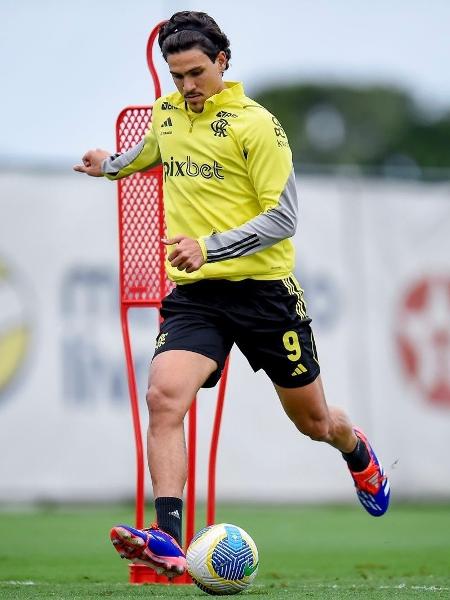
(228, 182)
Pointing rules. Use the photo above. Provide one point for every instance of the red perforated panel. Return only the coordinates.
(141, 220)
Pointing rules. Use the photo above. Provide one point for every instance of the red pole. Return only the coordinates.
(136, 419)
(151, 64)
(190, 484)
(211, 501)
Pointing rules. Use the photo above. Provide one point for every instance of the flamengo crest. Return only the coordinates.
(219, 127)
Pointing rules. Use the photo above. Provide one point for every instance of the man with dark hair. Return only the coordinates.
(231, 206)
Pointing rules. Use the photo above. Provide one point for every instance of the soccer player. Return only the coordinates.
(231, 206)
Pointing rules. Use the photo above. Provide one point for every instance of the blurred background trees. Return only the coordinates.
(379, 129)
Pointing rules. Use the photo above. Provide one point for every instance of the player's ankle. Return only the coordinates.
(169, 513)
(359, 458)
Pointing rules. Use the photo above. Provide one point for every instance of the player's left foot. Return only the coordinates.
(152, 547)
(372, 485)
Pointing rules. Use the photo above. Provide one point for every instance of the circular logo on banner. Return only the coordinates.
(15, 330)
(423, 338)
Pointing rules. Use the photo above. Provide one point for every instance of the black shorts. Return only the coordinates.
(266, 319)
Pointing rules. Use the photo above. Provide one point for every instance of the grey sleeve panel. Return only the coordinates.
(115, 163)
(264, 230)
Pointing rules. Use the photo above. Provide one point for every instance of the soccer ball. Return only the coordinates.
(222, 559)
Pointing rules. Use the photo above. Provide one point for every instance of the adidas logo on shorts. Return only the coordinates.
(299, 370)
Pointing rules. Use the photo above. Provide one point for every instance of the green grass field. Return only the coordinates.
(305, 552)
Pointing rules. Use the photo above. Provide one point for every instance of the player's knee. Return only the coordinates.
(162, 405)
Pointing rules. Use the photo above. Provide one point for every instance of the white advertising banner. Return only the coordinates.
(374, 259)
(407, 266)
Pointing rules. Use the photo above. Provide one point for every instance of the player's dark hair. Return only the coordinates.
(190, 29)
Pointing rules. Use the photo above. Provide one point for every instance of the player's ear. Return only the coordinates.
(221, 61)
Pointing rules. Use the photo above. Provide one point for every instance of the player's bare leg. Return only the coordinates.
(175, 378)
(307, 408)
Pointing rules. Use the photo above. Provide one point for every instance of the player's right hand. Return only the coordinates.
(92, 162)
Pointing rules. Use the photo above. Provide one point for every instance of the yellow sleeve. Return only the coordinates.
(141, 157)
(201, 243)
(269, 157)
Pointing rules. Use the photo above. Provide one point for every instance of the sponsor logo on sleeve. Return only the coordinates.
(280, 134)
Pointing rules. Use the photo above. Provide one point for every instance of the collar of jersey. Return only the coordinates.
(234, 90)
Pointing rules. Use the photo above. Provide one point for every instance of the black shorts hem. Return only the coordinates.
(295, 383)
(190, 349)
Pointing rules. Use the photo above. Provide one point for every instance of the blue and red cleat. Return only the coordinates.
(152, 547)
(372, 485)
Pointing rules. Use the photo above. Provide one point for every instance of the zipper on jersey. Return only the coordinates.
(191, 121)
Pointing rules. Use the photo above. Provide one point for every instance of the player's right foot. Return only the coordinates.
(152, 547)
(372, 485)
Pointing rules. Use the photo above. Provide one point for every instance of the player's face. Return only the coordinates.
(197, 78)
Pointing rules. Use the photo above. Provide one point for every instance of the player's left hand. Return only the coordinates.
(187, 256)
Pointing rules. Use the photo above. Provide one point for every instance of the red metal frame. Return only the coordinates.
(144, 283)
(150, 63)
(211, 498)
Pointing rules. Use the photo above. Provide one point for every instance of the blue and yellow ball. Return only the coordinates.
(222, 559)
